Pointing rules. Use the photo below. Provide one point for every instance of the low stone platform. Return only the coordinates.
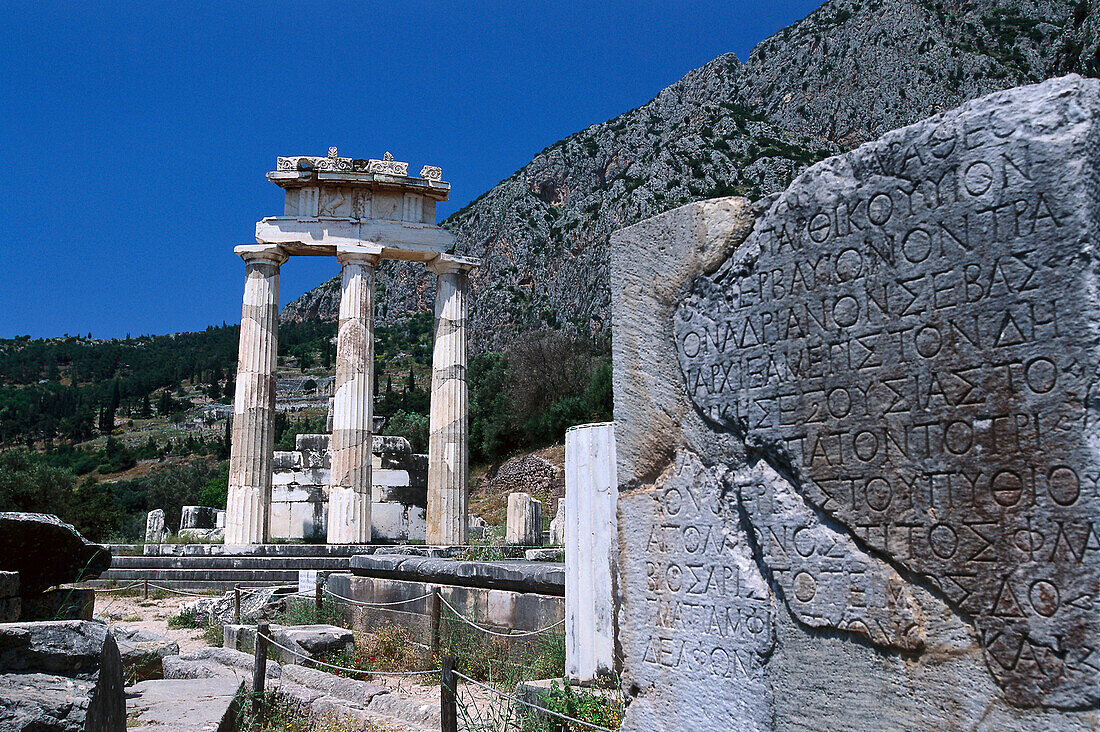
(547, 578)
(500, 610)
(220, 567)
(182, 705)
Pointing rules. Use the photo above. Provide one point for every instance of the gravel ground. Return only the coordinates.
(150, 615)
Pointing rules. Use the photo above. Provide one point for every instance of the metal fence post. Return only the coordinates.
(435, 620)
(146, 589)
(318, 601)
(237, 604)
(448, 709)
(259, 671)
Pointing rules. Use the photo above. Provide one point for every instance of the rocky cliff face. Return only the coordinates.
(850, 71)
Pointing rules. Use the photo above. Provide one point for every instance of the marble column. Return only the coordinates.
(253, 438)
(349, 496)
(448, 446)
(591, 545)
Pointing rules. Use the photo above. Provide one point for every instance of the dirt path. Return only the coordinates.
(149, 615)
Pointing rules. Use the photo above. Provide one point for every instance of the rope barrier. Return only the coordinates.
(552, 713)
(327, 591)
(113, 589)
(309, 658)
(521, 634)
(181, 592)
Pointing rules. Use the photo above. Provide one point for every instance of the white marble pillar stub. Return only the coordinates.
(524, 524)
(591, 490)
(448, 449)
(253, 436)
(350, 491)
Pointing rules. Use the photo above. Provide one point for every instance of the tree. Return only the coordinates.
(27, 483)
(146, 408)
(545, 367)
(412, 426)
(115, 397)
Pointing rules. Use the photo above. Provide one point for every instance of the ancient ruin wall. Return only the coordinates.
(890, 383)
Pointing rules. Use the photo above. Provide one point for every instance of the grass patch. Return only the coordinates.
(189, 619)
(282, 716)
(576, 702)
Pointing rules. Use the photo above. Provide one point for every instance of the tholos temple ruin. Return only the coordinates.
(361, 212)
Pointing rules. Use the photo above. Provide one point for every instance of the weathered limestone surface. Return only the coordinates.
(305, 641)
(11, 605)
(253, 437)
(349, 506)
(518, 576)
(524, 523)
(590, 543)
(46, 551)
(64, 675)
(448, 439)
(557, 525)
(202, 523)
(143, 653)
(155, 530)
(856, 457)
(182, 705)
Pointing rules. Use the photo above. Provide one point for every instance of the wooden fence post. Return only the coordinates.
(448, 710)
(318, 601)
(146, 589)
(435, 620)
(236, 604)
(259, 671)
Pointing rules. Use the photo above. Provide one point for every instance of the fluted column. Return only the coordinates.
(349, 495)
(448, 448)
(253, 438)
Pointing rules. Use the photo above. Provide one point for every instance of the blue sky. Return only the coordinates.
(135, 136)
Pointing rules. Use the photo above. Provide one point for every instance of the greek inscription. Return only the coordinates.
(914, 339)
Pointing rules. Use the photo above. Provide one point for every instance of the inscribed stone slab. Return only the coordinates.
(910, 335)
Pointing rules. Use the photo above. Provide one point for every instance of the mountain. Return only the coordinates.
(850, 71)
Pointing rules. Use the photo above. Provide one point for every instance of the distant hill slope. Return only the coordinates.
(845, 74)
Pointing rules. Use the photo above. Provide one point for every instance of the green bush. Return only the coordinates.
(587, 706)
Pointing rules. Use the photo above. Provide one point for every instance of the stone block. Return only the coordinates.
(143, 653)
(591, 490)
(305, 641)
(838, 491)
(384, 477)
(9, 584)
(517, 576)
(210, 535)
(311, 443)
(198, 517)
(63, 675)
(209, 663)
(524, 527)
(46, 552)
(287, 461)
(62, 604)
(182, 705)
(557, 525)
(11, 609)
(544, 555)
(155, 530)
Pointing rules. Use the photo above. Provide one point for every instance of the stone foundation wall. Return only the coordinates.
(299, 496)
(500, 610)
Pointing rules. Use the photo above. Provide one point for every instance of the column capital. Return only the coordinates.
(252, 252)
(359, 253)
(452, 263)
